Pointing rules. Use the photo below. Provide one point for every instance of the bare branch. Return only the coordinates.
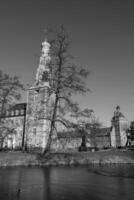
(62, 122)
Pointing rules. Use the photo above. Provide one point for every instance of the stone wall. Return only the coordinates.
(37, 127)
(13, 139)
(72, 140)
(124, 124)
(100, 142)
(64, 144)
(100, 138)
(118, 133)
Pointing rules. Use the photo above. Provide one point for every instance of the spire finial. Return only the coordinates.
(45, 33)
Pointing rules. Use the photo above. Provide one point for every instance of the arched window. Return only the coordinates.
(34, 131)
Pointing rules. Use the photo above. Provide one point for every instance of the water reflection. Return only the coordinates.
(64, 183)
(120, 170)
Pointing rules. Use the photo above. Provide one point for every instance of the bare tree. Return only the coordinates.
(9, 93)
(67, 79)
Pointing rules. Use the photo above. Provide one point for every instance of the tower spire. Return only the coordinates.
(45, 34)
(43, 71)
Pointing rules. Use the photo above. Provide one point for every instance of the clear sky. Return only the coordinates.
(102, 34)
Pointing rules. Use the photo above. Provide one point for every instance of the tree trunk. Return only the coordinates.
(48, 146)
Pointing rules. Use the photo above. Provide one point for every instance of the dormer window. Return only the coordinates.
(16, 112)
(22, 112)
(12, 113)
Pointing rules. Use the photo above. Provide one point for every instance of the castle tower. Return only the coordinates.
(119, 126)
(37, 125)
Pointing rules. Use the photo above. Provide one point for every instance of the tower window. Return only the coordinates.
(45, 76)
(34, 131)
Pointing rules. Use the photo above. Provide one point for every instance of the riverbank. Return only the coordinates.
(70, 158)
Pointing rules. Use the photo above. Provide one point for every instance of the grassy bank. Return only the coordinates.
(70, 158)
(17, 159)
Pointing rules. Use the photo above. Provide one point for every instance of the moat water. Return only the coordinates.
(112, 182)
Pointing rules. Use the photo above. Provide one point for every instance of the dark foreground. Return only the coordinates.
(111, 182)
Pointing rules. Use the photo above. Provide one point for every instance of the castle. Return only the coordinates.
(38, 99)
(32, 126)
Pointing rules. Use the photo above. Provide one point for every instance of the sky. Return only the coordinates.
(102, 35)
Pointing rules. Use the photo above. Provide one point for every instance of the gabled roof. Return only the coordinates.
(98, 132)
(101, 131)
(19, 106)
(69, 134)
(15, 110)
